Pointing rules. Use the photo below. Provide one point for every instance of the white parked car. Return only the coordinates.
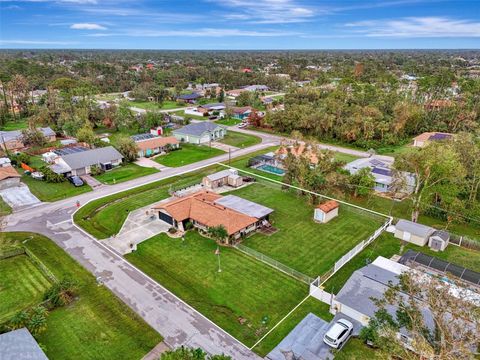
(242, 125)
(338, 333)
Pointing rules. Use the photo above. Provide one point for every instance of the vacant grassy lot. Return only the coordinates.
(315, 246)
(150, 105)
(188, 154)
(346, 158)
(228, 121)
(53, 191)
(96, 325)
(22, 284)
(124, 173)
(104, 217)
(245, 291)
(240, 140)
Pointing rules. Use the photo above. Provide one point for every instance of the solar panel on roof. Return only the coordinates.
(70, 150)
(376, 162)
(381, 171)
(439, 137)
(140, 137)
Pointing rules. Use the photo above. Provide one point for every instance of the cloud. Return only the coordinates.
(417, 27)
(206, 32)
(87, 26)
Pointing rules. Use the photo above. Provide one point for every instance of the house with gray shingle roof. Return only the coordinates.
(20, 345)
(200, 133)
(413, 232)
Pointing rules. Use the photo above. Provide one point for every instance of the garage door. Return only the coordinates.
(164, 217)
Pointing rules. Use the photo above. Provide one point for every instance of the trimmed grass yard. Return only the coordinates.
(4, 208)
(150, 105)
(315, 246)
(246, 291)
(346, 158)
(45, 191)
(240, 140)
(188, 154)
(228, 122)
(22, 284)
(15, 125)
(96, 325)
(124, 173)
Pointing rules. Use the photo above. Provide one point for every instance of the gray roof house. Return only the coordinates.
(200, 133)
(13, 140)
(413, 232)
(80, 163)
(20, 345)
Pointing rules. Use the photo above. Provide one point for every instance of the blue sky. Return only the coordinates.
(239, 24)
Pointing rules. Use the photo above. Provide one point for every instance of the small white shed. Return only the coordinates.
(326, 211)
(438, 241)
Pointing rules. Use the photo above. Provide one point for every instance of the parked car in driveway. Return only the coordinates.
(242, 125)
(338, 333)
(75, 180)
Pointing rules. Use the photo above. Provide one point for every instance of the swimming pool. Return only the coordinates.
(272, 169)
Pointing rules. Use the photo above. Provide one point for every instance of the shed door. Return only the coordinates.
(407, 236)
(164, 217)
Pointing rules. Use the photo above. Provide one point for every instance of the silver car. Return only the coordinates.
(338, 333)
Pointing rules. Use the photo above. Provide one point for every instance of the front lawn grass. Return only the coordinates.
(188, 154)
(246, 290)
(311, 305)
(229, 121)
(346, 158)
(5, 209)
(22, 284)
(151, 105)
(315, 246)
(46, 191)
(356, 349)
(104, 217)
(240, 140)
(124, 173)
(11, 125)
(97, 325)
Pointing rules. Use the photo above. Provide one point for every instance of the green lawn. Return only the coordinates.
(104, 217)
(346, 158)
(22, 284)
(244, 289)
(316, 246)
(188, 154)
(311, 305)
(20, 124)
(97, 325)
(194, 117)
(228, 121)
(356, 349)
(240, 140)
(5, 209)
(150, 105)
(45, 191)
(124, 173)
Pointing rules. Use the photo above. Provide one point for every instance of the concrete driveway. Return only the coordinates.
(19, 197)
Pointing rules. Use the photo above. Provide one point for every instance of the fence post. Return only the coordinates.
(460, 243)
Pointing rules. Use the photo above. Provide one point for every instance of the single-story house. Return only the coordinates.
(9, 177)
(156, 145)
(20, 345)
(381, 169)
(327, 211)
(266, 100)
(205, 110)
(200, 133)
(297, 150)
(235, 92)
(241, 113)
(228, 177)
(189, 98)
(13, 140)
(255, 87)
(80, 163)
(5, 161)
(206, 209)
(413, 232)
(213, 106)
(427, 137)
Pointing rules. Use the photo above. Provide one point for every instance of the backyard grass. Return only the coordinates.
(194, 117)
(245, 291)
(316, 246)
(124, 173)
(22, 284)
(4, 208)
(346, 158)
(240, 140)
(228, 121)
(188, 154)
(150, 105)
(96, 325)
(45, 191)
(14, 125)
(104, 217)
(311, 305)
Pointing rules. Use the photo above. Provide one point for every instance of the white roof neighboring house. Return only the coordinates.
(86, 158)
(20, 345)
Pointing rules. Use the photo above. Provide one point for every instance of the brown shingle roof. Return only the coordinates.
(156, 142)
(328, 206)
(200, 207)
(8, 172)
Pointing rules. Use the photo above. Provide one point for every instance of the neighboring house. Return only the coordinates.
(297, 150)
(80, 163)
(235, 92)
(205, 209)
(255, 87)
(381, 169)
(200, 133)
(266, 100)
(427, 137)
(205, 110)
(412, 232)
(13, 140)
(20, 345)
(241, 113)
(213, 107)
(226, 177)
(4, 161)
(327, 211)
(155, 145)
(438, 104)
(9, 177)
(189, 98)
